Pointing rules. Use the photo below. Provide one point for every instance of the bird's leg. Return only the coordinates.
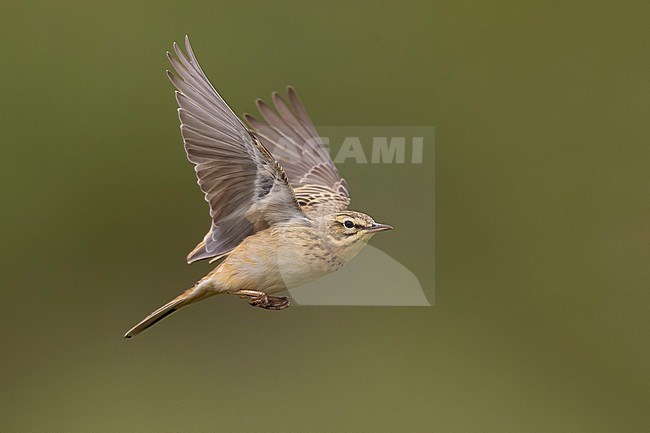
(262, 300)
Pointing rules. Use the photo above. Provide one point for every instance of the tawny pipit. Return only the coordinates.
(274, 229)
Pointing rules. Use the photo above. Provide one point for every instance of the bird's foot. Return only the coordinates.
(262, 300)
(269, 302)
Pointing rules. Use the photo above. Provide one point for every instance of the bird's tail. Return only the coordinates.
(188, 297)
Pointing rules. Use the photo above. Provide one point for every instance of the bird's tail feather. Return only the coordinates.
(175, 304)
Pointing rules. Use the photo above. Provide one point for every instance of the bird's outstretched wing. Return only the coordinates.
(289, 134)
(246, 188)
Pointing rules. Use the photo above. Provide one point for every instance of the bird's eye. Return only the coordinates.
(348, 224)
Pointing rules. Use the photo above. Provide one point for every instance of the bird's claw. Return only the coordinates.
(269, 302)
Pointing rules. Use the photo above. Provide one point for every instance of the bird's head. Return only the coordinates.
(349, 231)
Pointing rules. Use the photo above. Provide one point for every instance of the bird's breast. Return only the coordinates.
(276, 259)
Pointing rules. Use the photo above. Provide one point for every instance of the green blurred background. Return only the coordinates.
(540, 321)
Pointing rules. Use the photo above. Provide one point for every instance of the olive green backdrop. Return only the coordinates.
(540, 321)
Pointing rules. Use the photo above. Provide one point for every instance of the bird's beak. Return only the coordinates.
(379, 228)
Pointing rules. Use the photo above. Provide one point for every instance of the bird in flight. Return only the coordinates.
(278, 205)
